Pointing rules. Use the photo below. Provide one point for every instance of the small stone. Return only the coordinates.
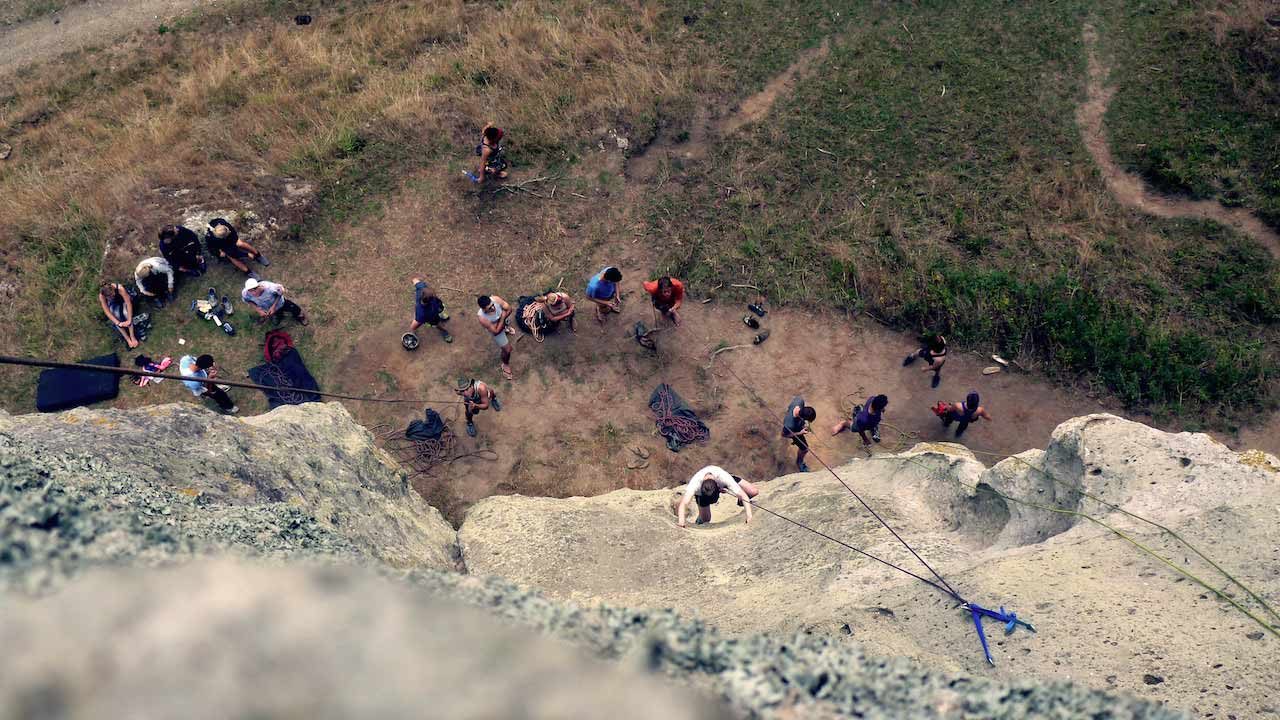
(1255, 635)
(1152, 679)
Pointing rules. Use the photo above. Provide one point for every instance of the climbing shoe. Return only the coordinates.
(802, 467)
(875, 434)
(936, 379)
(751, 322)
(443, 316)
(908, 359)
(761, 337)
(471, 429)
(497, 404)
(448, 338)
(213, 296)
(226, 306)
(758, 310)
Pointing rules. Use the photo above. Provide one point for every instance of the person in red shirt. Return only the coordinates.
(668, 295)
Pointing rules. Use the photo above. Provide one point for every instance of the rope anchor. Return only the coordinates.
(1010, 620)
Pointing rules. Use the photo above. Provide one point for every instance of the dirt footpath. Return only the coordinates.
(97, 22)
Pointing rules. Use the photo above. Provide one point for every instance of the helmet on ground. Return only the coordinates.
(409, 341)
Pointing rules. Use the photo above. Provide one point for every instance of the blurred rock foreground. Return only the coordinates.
(169, 562)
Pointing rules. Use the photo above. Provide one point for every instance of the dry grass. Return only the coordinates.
(96, 136)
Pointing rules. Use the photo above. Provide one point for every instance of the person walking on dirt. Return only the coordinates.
(225, 243)
(476, 396)
(933, 350)
(667, 294)
(203, 367)
(866, 418)
(428, 309)
(268, 300)
(795, 426)
(154, 278)
(705, 487)
(493, 315)
(558, 306)
(181, 248)
(118, 307)
(493, 157)
(602, 289)
(963, 413)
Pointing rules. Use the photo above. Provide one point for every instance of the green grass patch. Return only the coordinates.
(1197, 107)
(931, 171)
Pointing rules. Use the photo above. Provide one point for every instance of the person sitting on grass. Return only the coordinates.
(705, 487)
(668, 295)
(866, 418)
(493, 157)
(602, 289)
(225, 243)
(428, 309)
(795, 426)
(267, 298)
(181, 248)
(476, 396)
(933, 350)
(118, 307)
(558, 306)
(154, 278)
(202, 367)
(965, 413)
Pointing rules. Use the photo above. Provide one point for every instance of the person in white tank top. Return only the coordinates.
(494, 315)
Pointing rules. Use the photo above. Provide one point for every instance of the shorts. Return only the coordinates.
(799, 442)
(234, 252)
(501, 339)
(420, 315)
(117, 309)
(869, 427)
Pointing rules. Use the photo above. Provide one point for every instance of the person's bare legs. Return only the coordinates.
(749, 488)
(846, 425)
(506, 362)
(129, 338)
(238, 264)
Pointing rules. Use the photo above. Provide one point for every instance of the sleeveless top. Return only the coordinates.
(491, 317)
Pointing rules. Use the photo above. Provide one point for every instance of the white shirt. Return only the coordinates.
(722, 478)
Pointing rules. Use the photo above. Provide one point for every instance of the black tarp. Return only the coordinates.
(290, 377)
(62, 389)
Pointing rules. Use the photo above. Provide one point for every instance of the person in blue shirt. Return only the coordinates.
(795, 427)
(428, 309)
(202, 367)
(866, 418)
(602, 290)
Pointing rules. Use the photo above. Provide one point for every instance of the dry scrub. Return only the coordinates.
(95, 135)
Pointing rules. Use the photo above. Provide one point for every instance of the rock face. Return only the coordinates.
(792, 613)
(175, 480)
(1107, 614)
(222, 640)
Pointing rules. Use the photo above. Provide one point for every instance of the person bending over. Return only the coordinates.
(118, 307)
(428, 309)
(493, 157)
(965, 413)
(795, 426)
(602, 290)
(154, 278)
(933, 350)
(705, 487)
(668, 295)
(558, 306)
(181, 248)
(866, 419)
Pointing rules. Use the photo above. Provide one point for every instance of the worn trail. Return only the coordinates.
(1129, 188)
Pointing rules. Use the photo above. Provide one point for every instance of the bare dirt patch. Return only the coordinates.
(1129, 189)
(757, 106)
(93, 23)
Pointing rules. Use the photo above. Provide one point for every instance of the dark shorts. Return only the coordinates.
(864, 427)
(235, 251)
(117, 309)
(799, 441)
(420, 315)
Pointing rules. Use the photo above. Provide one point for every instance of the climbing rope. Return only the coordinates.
(530, 316)
(686, 431)
(284, 389)
(948, 589)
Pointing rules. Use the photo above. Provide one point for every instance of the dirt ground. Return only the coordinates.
(577, 414)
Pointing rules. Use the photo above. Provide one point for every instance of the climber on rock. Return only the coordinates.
(705, 487)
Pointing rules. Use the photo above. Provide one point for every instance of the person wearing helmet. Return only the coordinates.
(476, 396)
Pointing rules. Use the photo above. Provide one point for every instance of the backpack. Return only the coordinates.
(423, 430)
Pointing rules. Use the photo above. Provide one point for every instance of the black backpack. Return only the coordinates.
(423, 430)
